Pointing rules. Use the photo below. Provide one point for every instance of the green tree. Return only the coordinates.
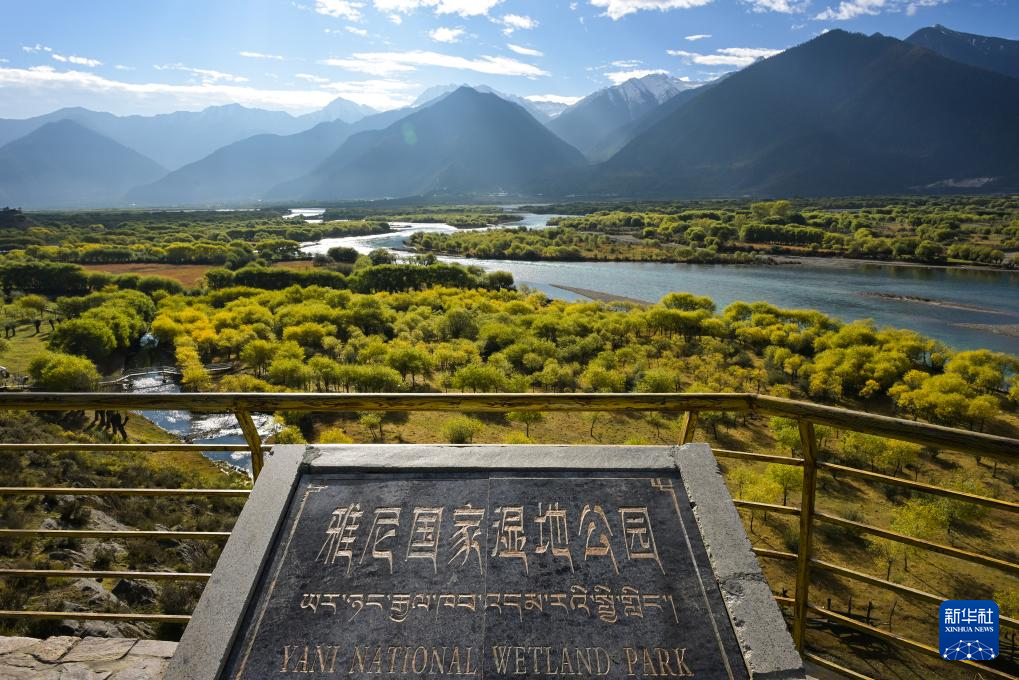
(479, 378)
(787, 477)
(86, 337)
(526, 418)
(56, 372)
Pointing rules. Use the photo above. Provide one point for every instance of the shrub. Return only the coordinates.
(334, 435)
(461, 430)
(290, 435)
(63, 373)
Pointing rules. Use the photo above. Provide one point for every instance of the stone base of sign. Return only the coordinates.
(759, 627)
(25, 658)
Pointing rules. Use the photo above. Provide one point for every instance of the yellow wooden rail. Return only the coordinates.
(807, 415)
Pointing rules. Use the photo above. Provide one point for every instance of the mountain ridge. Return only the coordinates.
(63, 164)
(445, 148)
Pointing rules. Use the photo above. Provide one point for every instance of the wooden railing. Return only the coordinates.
(807, 415)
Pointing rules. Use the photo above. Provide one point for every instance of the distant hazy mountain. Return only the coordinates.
(433, 93)
(597, 124)
(467, 142)
(175, 139)
(995, 54)
(549, 109)
(243, 171)
(841, 114)
(66, 165)
(338, 109)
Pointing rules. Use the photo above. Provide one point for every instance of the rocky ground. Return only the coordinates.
(90, 658)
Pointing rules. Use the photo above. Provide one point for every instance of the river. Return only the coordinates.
(961, 298)
(200, 428)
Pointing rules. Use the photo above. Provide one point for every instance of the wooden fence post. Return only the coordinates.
(808, 443)
(254, 441)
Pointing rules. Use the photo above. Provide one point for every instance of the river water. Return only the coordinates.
(200, 428)
(842, 288)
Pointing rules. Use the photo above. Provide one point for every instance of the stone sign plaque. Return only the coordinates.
(416, 573)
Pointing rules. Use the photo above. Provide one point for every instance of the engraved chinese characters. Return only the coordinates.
(510, 538)
(483, 575)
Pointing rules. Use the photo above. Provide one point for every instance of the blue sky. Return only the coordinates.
(126, 56)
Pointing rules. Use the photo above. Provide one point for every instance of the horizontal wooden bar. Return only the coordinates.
(123, 533)
(156, 448)
(775, 554)
(94, 616)
(759, 457)
(116, 491)
(768, 507)
(902, 641)
(920, 486)
(965, 555)
(914, 431)
(832, 666)
(331, 401)
(785, 601)
(81, 573)
(894, 587)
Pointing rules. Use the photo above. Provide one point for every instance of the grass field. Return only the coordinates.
(186, 274)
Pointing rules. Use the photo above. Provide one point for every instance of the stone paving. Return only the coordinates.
(90, 658)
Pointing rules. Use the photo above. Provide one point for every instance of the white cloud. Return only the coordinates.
(617, 9)
(32, 49)
(465, 8)
(727, 56)
(850, 9)
(396, 19)
(388, 63)
(311, 78)
(618, 77)
(697, 36)
(340, 9)
(912, 7)
(444, 34)
(356, 31)
(77, 84)
(626, 63)
(378, 94)
(526, 51)
(80, 61)
(516, 22)
(122, 67)
(205, 74)
(260, 55)
(553, 99)
(780, 6)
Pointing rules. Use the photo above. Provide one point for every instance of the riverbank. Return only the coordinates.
(601, 296)
(847, 262)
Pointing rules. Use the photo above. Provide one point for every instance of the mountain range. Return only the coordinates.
(175, 139)
(466, 142)
(600, 123)
(63, 164)
(841, 114)
(993, 54)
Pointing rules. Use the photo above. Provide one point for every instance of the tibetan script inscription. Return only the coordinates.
(488, 576)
